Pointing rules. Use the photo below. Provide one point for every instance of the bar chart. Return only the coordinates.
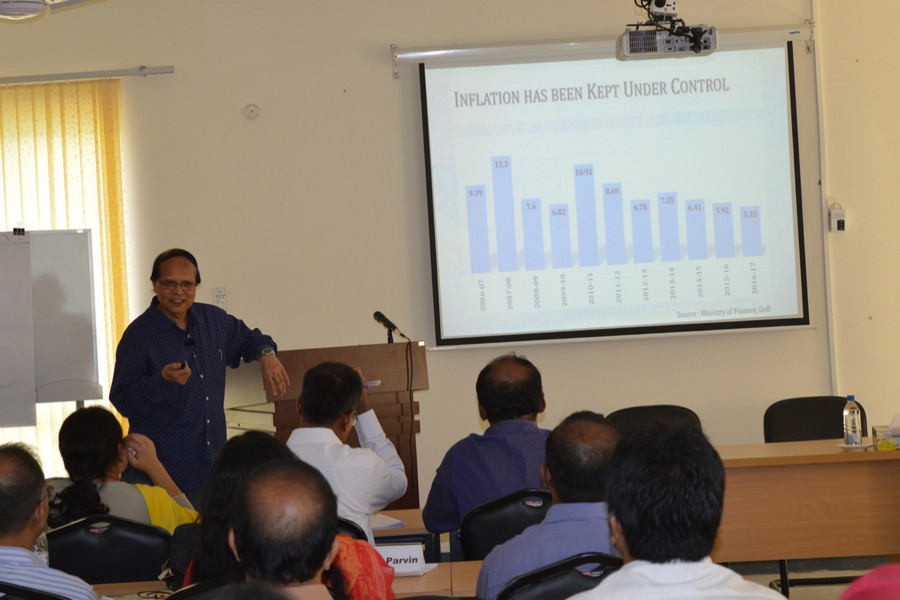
(598, 213)
(608, 230)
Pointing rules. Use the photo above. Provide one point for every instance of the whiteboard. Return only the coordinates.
(49, 311)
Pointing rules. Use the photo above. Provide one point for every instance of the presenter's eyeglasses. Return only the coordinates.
(169, 285)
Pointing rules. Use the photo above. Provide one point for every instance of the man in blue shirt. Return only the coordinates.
(506, 459)
(575, 471)
(24, 505)
(169, 379)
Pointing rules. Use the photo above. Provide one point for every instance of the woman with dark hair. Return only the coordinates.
(240, 455)
(95, 455)
(358, 572)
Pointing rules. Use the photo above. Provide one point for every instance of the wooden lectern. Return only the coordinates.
(402, 369)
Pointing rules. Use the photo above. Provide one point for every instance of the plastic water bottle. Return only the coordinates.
(853, 429)
(42, 549)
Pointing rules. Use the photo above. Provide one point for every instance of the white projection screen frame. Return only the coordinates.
(592, 197)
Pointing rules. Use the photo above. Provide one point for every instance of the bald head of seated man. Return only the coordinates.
(284, 529)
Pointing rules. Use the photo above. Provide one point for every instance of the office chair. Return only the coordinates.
(18, 592)
(807, 418)
(797, 420)
(109, 549)
(626, 419)
(348, 527)
(497, 521)
(561, 579)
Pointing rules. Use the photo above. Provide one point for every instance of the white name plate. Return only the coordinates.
(407, 559)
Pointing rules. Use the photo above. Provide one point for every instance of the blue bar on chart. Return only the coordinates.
(751, 231)
(696, 229)
(723, 229)
(504, 215)
(476, 209)
(533, 233)
(614, 223)
(586, 216)
(560, 246)
(669, 240)
(641, 233)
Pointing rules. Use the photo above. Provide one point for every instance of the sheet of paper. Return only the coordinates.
(380, 521)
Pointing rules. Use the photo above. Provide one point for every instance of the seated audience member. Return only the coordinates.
(24, 505)
(506, 459)
(365, 574)
(575, 471)
(95, 455)
(365, 479)
(881, 583)
(284, 529)
(238, 457)
(665, 492)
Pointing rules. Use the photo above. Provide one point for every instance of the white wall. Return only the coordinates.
(860, 90)
(314, 215)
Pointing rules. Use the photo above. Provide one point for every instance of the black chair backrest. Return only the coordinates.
(626, 419)
(497, 521)
(348, 527)
(17, 592)
(109, 549)
(214, 587)
(561, 579)
(807, 418)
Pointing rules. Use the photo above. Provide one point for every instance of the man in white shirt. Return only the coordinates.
(24, 505)
(665, 493)
(364, 479)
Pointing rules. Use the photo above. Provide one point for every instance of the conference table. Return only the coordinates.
(789, 500)
(457, 579)
(808, 500)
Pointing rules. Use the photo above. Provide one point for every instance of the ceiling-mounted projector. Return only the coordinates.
(664, 34)
(18, 10)
(655, 42)
(25, 10)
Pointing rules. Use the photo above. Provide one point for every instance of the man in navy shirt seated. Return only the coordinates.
(506, 459)
(575, 471)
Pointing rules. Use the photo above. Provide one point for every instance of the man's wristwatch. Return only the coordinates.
(266, 352)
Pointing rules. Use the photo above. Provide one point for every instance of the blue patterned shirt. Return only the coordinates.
(481, 468)
(568, 529)
(185, 422)
(21, 567)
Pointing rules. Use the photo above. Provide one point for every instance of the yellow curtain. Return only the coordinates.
(60, 162)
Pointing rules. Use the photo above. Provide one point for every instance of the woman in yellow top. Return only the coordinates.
(95, 455)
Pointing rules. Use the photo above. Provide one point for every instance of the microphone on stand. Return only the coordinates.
(389, 325)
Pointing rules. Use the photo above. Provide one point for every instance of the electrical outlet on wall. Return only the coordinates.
(219, 298)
